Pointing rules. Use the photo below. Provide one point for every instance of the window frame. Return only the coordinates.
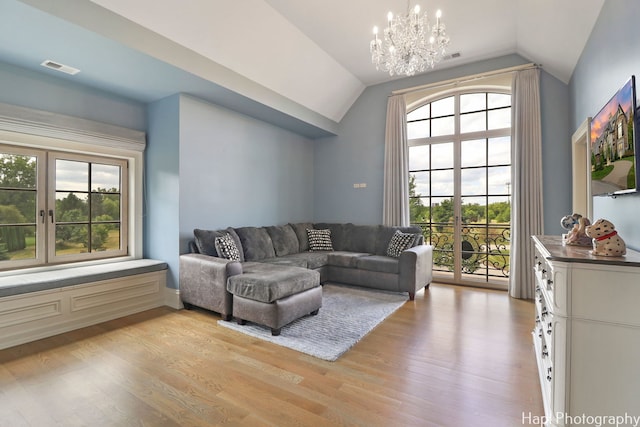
(80, 137)
(52, 216)
(457, 138)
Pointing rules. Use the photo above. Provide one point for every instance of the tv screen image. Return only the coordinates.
(613, 144)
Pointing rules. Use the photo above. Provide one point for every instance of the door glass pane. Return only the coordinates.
(473, 153)
(473, 122)
(418, 129)
(474, 210)
(473, 102)
(499, 151)
(473, 182)
(72, 175)
(500, 119)
(419, 209)
(420, 182)
(419, 157)
(442, 183)
(499, 178)
(442, 155)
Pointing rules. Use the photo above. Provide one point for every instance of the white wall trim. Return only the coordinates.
(172, 298)
(52, 125)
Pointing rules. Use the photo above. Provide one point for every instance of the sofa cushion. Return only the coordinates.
(256, 243)
(399, 242)
(339, 234)
(319, 240)
(267, 282)
(310, 260)
(345, 259)
(301, 231)
(205, 241)
(380, 263)
(284, 240)
(226, 248)
(362, 238)
(385, 233)
(287, 260)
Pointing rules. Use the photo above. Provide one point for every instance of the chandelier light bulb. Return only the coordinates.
(410, 44)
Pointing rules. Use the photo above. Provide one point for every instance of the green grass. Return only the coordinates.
(599, 175)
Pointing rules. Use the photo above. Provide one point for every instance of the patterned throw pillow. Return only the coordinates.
(319, 240)
(227, 248)
(399, 242)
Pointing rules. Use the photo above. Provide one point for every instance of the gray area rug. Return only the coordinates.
(347, 315)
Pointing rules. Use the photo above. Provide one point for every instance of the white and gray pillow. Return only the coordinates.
(399, 242)
(226, 248)
(319, 240)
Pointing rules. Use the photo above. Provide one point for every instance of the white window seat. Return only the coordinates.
(41, 304)
(53, 279)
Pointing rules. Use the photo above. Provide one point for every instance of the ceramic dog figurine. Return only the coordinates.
(606, 241)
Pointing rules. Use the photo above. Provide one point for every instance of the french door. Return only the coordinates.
(460, 191)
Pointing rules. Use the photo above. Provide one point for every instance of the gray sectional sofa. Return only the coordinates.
(359, 256)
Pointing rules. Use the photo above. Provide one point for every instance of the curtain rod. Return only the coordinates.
(466, 78)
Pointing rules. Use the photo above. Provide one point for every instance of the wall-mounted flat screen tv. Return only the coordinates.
(614, 144)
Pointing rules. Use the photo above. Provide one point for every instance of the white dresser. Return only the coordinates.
(587, 334)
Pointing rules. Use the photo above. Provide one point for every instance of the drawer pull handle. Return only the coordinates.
(549, 282)
(544, 271)
(549, 378)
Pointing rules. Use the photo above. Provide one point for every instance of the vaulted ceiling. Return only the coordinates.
(308, 59)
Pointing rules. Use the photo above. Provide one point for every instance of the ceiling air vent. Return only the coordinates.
(454, 55)
(60, 67)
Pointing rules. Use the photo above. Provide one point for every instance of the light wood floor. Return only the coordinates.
(453, 357)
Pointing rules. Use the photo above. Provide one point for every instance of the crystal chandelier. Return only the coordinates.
(409, 44)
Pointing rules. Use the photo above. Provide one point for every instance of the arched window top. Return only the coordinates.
(462, 111)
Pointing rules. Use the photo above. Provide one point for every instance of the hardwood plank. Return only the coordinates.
(454, 356)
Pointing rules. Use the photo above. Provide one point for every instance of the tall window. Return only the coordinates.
(460, 191)
(60, 207)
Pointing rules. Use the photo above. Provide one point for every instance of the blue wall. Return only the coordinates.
(611, 55)
(239, 171)
(356, 154)
(162, 185)
(40, 91)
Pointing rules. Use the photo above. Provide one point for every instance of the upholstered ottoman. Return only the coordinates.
(274, 295)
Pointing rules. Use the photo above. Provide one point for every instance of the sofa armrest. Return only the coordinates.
(416, 269)
(203, 282)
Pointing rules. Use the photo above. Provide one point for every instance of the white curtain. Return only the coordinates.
(395, 202)
(526, 178)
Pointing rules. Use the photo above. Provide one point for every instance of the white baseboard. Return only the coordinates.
(32, 316)
(172, 298)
